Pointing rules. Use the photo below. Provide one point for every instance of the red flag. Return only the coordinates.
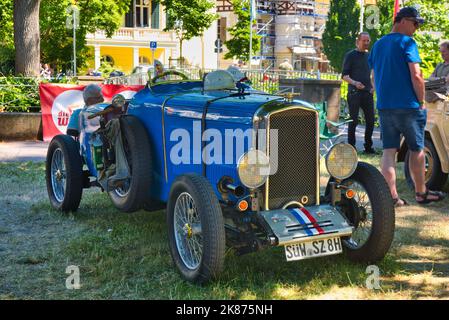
(58, 101)
(396, 8)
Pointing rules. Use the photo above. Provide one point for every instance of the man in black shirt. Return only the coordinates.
(356, 72)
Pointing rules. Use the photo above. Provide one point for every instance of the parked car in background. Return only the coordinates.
(436, 138)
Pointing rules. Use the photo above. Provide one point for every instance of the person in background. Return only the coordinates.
(45, 71)
(400, 100)
(158, 68)
(357, 74)
(442, 69)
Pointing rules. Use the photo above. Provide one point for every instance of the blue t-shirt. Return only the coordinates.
(389, 58)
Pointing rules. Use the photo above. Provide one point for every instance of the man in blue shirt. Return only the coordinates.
(400, 88)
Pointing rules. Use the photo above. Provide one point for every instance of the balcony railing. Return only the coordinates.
(134, 34)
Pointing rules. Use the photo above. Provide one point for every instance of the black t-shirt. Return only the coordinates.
(356, 67)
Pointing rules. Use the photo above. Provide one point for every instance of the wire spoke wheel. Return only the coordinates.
(195, 228)
(370, 212)
(58, 175)
(64, 173)
(188, 233)
(131, 193)
(363, 221)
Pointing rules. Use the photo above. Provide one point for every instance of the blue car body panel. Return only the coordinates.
(166, 108)
(172, 112)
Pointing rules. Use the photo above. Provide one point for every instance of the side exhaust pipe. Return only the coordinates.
(226, 185)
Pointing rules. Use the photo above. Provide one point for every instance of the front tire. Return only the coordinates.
(64, 173)
(435, 178)
(371, 213)
(196, 229)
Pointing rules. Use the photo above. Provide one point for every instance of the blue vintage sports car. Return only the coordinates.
(232, 166)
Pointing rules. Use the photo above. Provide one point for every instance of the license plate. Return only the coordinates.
(313, 249)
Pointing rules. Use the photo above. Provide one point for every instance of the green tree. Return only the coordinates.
(57, 37)
(238, 45)
(341, 31)
(385, 20)
(188, 18)
(428, 36)
(432, 32)
(6, 37)
(56, 40)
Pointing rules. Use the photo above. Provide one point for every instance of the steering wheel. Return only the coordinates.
(167, 73)
(102, 112)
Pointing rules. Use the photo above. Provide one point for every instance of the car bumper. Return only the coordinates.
(298, 225)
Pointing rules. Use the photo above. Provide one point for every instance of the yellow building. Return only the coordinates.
(144, 23)
(130, 45)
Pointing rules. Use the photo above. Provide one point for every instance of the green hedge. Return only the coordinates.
(18, 94)
(21, 94)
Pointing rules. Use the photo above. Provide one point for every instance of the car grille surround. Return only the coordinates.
(297, 175)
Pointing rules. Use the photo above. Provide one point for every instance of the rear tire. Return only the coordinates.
(64, 173)
(136, 191)
(435, 178)
(196, 229)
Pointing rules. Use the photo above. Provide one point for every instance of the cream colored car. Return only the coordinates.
(436, 145)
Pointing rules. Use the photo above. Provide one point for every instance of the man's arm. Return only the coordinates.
(418, 82)
(357, 84)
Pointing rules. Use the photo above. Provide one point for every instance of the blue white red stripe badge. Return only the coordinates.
(305, 217)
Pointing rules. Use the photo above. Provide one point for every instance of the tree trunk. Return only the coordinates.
(27, 37)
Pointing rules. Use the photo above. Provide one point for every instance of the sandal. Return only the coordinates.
(424, 195)
(397, 202)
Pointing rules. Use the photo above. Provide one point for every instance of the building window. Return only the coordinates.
(218, 29)
(155, 8)
(108, 59)
(221, 29)
(142, 13)
(129, 17)
(144, 60)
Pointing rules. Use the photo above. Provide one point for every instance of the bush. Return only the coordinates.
(21, 94)
(6, 61)
(18, 94)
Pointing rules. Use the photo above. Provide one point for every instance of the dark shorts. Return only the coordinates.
(407, 122)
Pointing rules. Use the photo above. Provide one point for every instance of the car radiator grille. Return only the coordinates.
(297, 169)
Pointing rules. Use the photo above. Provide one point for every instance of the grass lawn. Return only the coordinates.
(125, 256)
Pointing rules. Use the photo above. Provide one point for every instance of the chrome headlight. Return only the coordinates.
(118, 101)
(253, 168)
(341, 161)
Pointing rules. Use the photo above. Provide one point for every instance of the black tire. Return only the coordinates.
(381, 233)
(435, 178)
(139, 155)
(67, 150)
(212, 228)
